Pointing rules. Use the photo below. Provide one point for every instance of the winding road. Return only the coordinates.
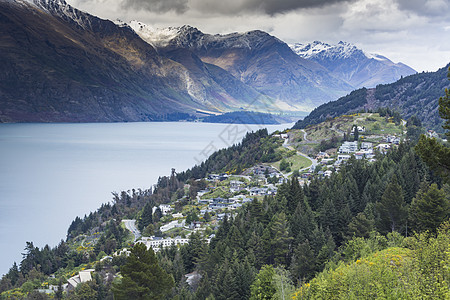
(131, 226)
(314, 162)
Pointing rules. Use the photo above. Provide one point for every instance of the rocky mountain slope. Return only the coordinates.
(356, 67)
(417, 94)
(61, 64)
(257, 59)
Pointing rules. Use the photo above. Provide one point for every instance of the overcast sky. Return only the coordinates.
(415, 32)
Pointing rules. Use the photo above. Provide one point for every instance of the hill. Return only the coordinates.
(395, 267)
(251, 225)
(412, 95)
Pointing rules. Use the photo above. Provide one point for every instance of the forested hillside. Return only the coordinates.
(412, 95)
(381, 217)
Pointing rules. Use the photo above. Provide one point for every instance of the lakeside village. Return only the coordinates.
(225, 193)
(221, 195)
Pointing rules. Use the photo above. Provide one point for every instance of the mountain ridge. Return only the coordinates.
(355, 66)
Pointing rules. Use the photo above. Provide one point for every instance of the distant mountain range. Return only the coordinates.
(417, 94)
(356, 67)
(60, 64)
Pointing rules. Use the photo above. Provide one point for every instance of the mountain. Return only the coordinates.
(61, 64)
(255, 58)
(416, 94)
(356, 67)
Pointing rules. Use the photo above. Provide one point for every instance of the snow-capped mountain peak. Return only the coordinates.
(324, 50)
(357, 67)
(190, 37)
(158, 37)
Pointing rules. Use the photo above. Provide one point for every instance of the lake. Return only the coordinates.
(51, 173)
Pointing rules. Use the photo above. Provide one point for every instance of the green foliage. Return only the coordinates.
(392, 207)
(263, 287)
(444, 108)
(146, 217)
(429, 209)
(283, 165)
(142, 277)
(420, 271)
(256, 147)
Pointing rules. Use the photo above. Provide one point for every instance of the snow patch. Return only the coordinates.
(158, 37)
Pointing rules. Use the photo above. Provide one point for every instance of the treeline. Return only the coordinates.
(301, 228)
(255, 147)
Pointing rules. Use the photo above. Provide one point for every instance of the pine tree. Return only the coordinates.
(429, 208)
(142, 277)
(263, 287)
(280, 240)
(146, 217)
(392, 208)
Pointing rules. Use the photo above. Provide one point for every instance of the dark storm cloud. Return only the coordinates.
(268, 7)
(272, 7)
(159, 6)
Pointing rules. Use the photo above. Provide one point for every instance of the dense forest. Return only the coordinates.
(291, 236)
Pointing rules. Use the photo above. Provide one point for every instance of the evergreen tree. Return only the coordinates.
(146, 217)
(303, 263)
(142, 277)
(360, 226)
(263, 287)
(392, 208)
(429, 208)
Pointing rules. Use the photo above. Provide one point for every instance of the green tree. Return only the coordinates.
(429, 208)
(355, 133)
(263, 288)
(146, 217)
(283, 165)
(142, 277)
(392, 207)
(284, 288)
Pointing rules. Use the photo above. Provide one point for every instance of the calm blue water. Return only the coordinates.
(51, 173)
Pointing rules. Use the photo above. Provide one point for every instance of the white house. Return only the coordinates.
(173, 224)
(348, 147)
(83, 276)
(157, 242)
(343, 157)
(165, 209)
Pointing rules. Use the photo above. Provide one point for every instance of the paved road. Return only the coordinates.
(131, 226)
